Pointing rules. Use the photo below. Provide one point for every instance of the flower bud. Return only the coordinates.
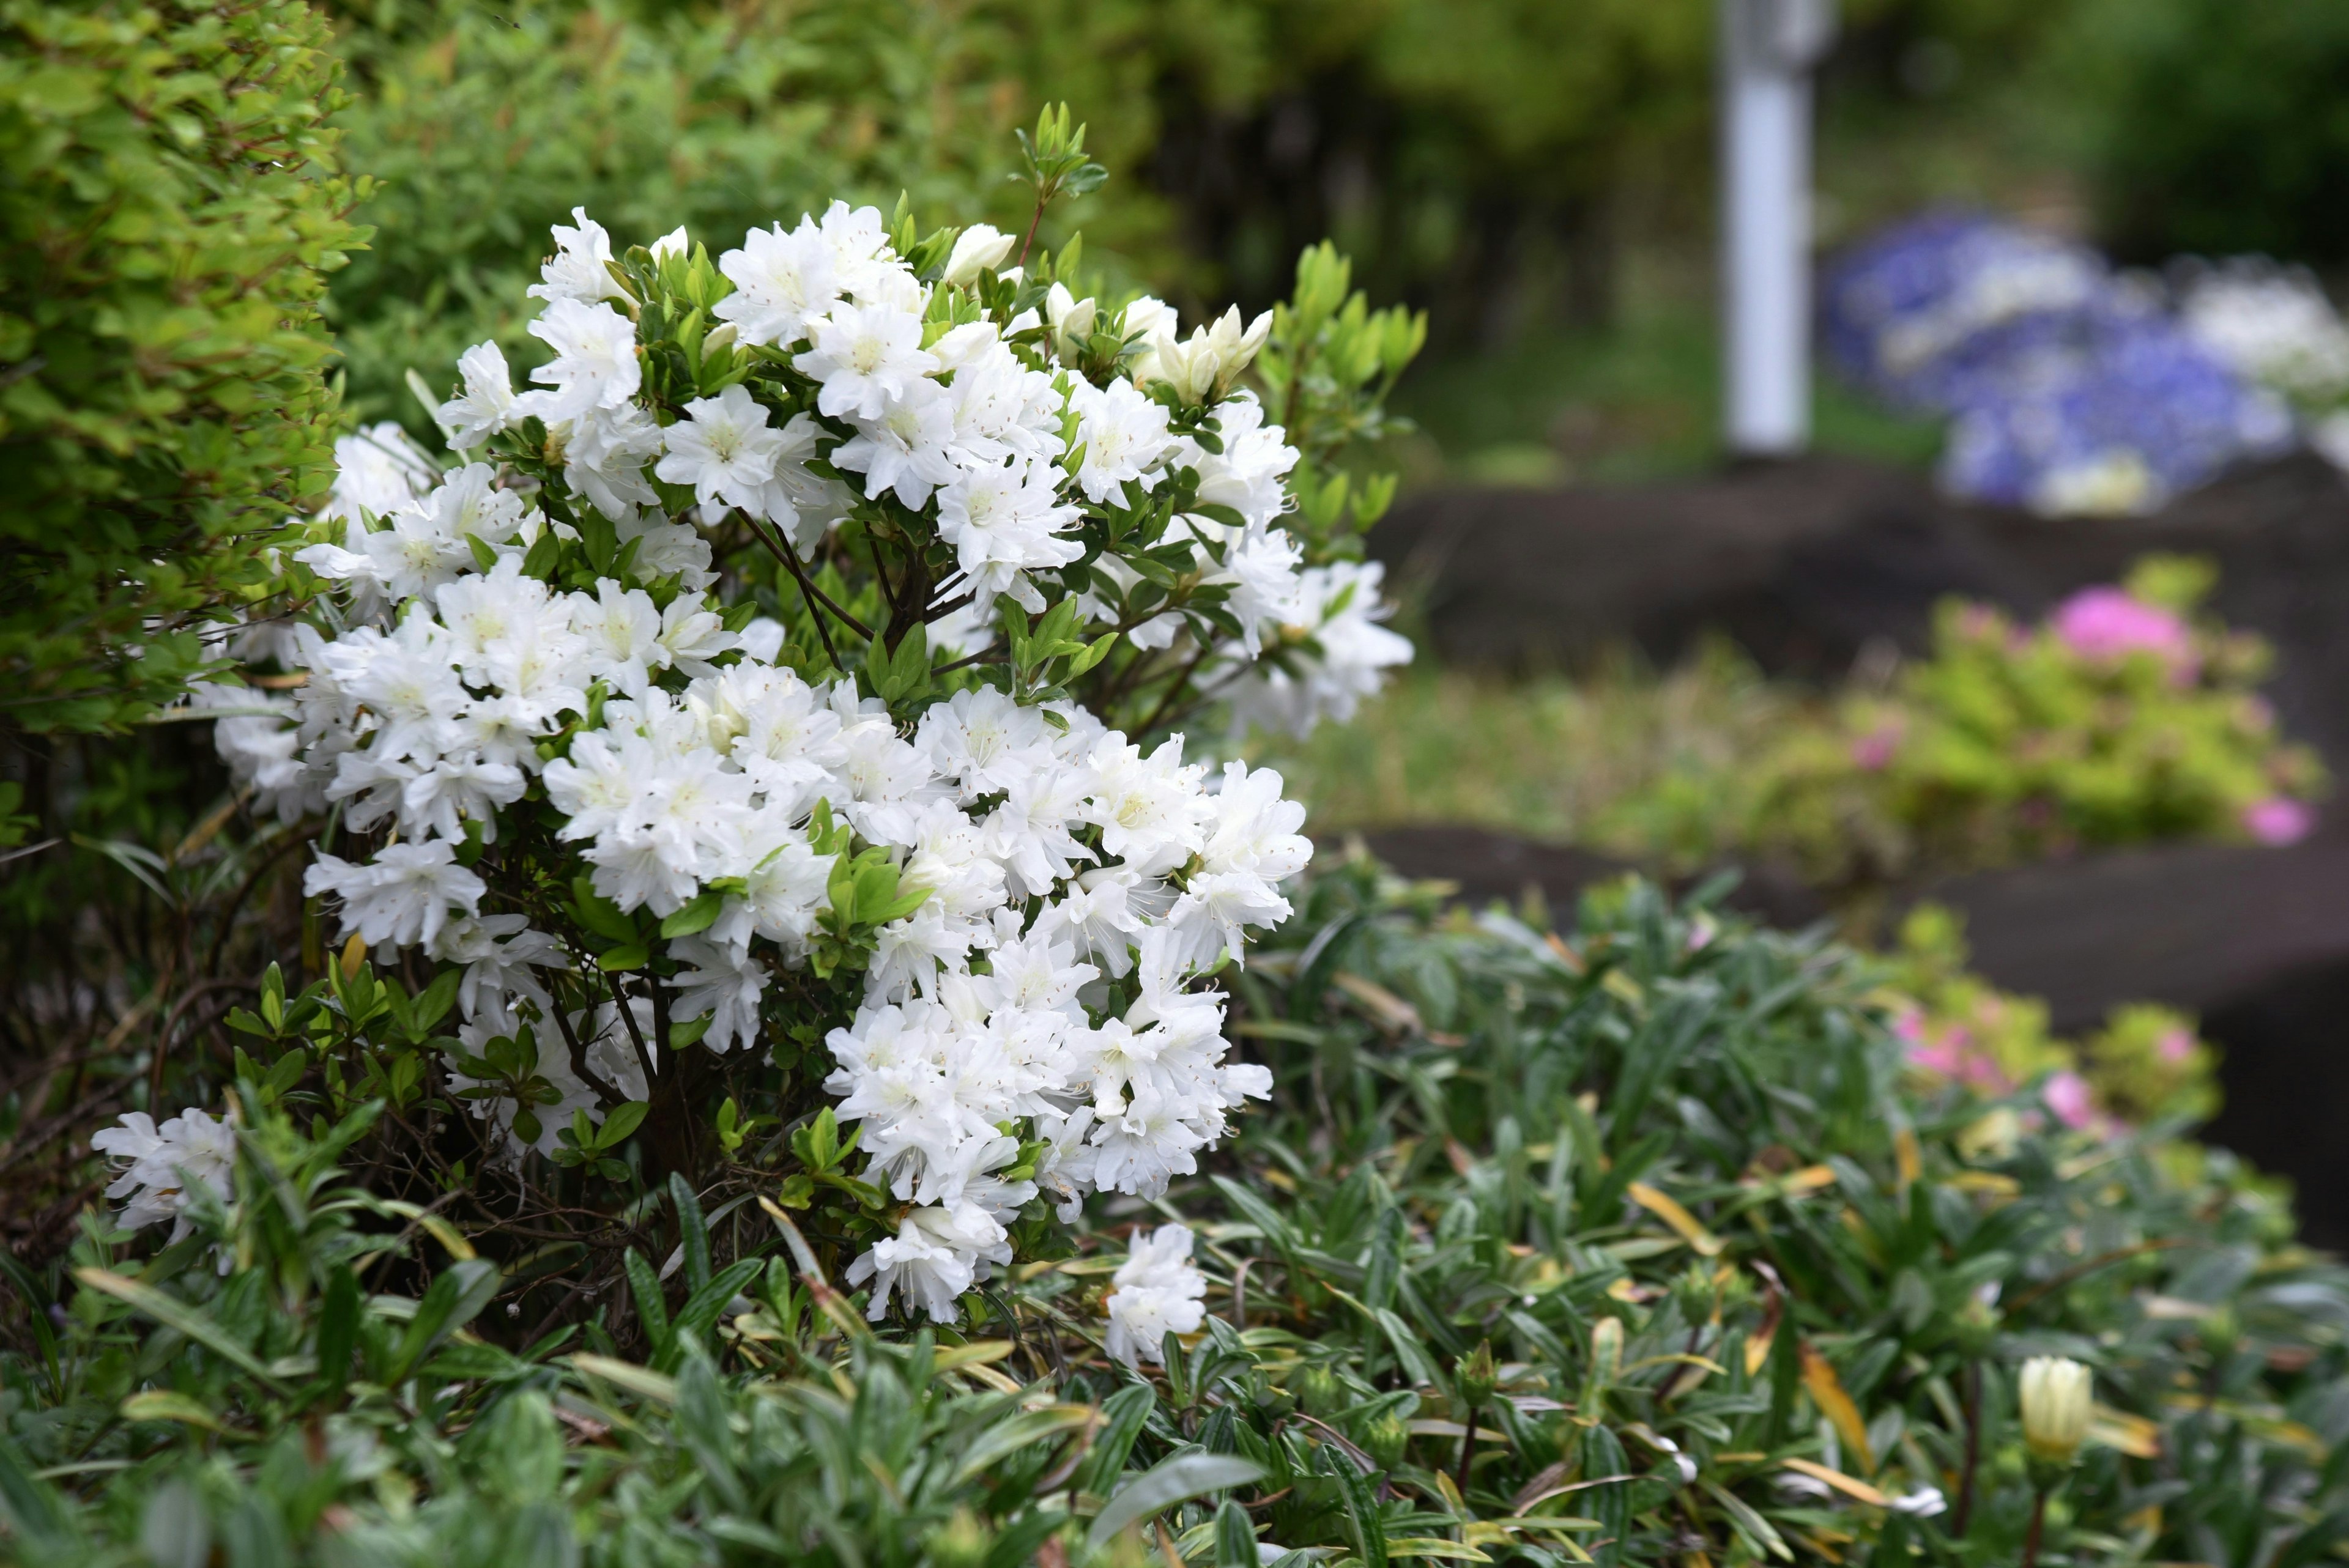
(977, 249)
(2054, 1399)
(1320, 1391)
(1071, 320)
(962, 1542)
(1476, 1377)
(1386, 1441)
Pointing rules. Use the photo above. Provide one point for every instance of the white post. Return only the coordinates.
(1768, 49)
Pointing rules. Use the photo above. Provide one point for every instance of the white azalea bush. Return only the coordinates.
(761, 725)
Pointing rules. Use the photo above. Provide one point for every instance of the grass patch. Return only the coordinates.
(1589, 760)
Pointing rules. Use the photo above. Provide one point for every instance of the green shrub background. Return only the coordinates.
(170, 208)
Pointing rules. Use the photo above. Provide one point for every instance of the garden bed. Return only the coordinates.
(1803, 564)
(2254, 940)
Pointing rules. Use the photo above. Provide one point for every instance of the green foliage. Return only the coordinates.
(331, 1398)
(170, 208)
(1673, 1170)
(487, 126)
(1622, 1247)
(2213, 125)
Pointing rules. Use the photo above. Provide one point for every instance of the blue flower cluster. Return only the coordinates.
(2070, 389)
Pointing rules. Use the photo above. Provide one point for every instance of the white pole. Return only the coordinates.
(1768, 49)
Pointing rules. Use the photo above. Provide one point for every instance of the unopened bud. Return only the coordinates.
(962, 1542)
(2054, 1396)
(1476, 1377)
(1386, 1441)
(1320, 1391)
(977, 249)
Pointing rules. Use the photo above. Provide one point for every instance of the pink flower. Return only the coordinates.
(2068, 1095)
(2108, 623)
(2279, 819)
(2175, 1046)
(1873, 752)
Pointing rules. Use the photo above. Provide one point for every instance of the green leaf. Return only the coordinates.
(454, 1299)
(172, 1313)
(652, 1310)
(1023, 1430)
(695, 917)
(693, 1230)
(339, 1327)
(619, 1122)
(1166, 1484)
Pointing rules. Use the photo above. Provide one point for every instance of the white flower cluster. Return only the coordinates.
(2273, 324)
(1155, 1291)
(1072, 883)
(159, 1168)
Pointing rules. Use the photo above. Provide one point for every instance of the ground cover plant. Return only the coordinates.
(1636, 1242)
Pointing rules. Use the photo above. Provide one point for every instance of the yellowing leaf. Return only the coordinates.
(163, 1405)
(1849, 1486)
(2132, 1435)
(1435, 1546)
(1387, 1010)
(1668, 1209)
(1911, 1158)
(1757, 1351)
(1827, 1393)
(451, 1238)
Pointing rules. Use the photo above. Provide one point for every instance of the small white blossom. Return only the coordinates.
(1156, 1292)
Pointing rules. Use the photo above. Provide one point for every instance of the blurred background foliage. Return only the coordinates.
(1532, 175)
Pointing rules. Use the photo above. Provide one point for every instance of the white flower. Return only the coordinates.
(977, 249)
(1005, 522)
(376, 471)
(726, 450)
(1156, 1292)
(1250, 474)
(594, 365)
(1339, 609)
(1925, 1502)
(604, 457)
(803, 504)
(864, 357)
(486, 405)
(2273, 326)
(161, 1166)
(936, 1254)
(1124, 438)
(499, 952)
(1149, 808)
(580, 269)
(907, 447)
(781, 281)
(692, 635)
(403, 896)
(723, 983)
